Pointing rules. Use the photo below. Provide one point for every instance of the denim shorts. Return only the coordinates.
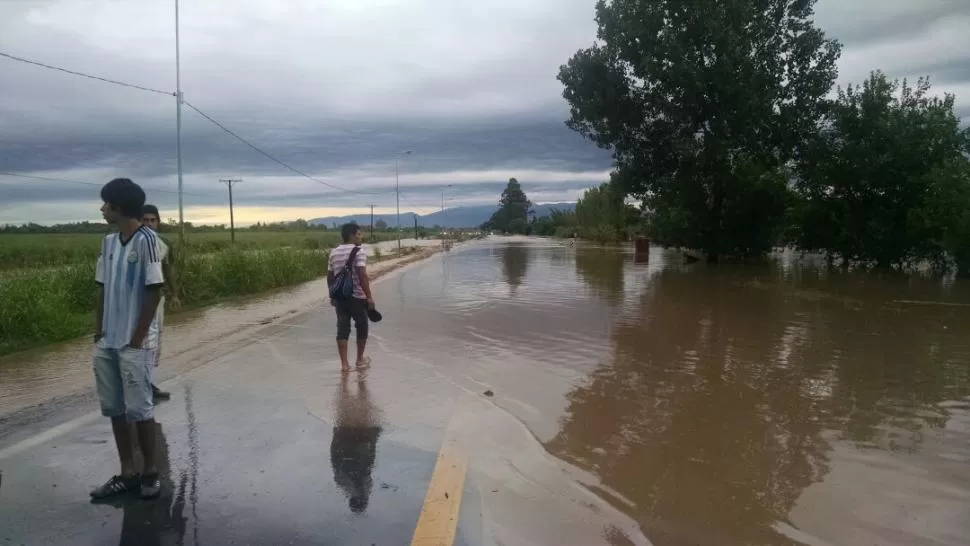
(124, 382)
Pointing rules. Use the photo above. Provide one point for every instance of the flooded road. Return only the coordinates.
(777, 405)
(736, 405)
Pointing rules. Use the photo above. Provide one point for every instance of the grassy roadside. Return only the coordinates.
(44, 306)
(29, 251)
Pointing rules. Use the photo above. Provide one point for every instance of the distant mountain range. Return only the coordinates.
(458, 217)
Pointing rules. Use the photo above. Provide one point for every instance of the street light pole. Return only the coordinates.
(443, 227)
(397, 188)
(443, 197)
(371, 224)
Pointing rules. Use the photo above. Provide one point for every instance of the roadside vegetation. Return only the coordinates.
(724, 127)
(729, 138)
(47, 290)
(33, 250)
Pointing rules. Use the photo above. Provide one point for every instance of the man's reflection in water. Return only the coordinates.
(354, 444)
(158, 521)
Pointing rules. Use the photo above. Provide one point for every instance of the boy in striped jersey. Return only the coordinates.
(129, 277)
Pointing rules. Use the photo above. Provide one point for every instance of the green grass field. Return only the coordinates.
(23, 251)
(47, 290)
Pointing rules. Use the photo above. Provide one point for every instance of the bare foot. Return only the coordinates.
(345, 367)
(363, 364)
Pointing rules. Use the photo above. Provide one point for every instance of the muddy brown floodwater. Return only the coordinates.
(736, 405)
(718, 406)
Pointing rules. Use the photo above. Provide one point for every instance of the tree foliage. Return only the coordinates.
(559, 223)
(945, 216)
(885, 181)
(703, 105)
(512, 215)
(603, 215)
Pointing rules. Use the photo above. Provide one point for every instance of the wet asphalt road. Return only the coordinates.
(251, 458)
(265, 443)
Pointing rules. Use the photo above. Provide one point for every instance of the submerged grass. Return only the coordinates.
(41, 306)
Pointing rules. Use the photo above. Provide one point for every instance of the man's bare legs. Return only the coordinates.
(342, 351)
(362, 361)
(146, 441)
(122, 434)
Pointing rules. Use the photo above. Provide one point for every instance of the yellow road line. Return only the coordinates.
(438, 522)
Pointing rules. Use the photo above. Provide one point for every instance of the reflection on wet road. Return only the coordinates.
(775, 405)
(353, 448)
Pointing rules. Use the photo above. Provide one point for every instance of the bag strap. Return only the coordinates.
(353, 254)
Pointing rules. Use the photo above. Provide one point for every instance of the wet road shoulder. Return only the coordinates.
(257, 451)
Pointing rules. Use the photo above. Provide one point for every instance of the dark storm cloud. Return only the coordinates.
(149, 151)
(338, 88)
(261, 193)
(859, 23)
(951, 71)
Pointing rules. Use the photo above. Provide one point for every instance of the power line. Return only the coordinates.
(67, 181)
(193, 107)
(83, 75)
(272, 157)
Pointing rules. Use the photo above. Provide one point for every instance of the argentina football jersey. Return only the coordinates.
(126, 269)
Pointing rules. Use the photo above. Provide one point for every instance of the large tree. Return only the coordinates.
(886, 181)
(512, 215)
(703, 103)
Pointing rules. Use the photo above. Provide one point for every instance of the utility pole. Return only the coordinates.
(232, 221)
(415, 226)
(397, 188)
(178, 125)
(371, 223)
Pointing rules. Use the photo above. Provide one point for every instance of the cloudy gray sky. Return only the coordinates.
(338, 89)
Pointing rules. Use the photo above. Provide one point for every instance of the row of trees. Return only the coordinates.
(76, 227)
(721, 122)
(172, 225)
(602, 214)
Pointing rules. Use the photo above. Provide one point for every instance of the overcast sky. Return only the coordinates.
(338, 89)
